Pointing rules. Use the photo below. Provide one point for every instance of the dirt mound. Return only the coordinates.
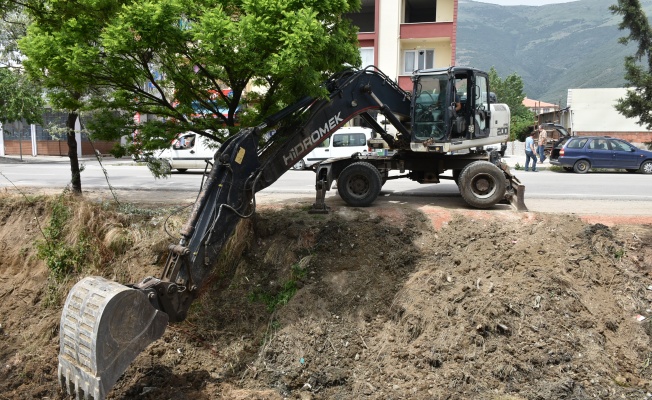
(361, 303)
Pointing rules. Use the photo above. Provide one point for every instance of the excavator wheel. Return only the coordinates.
(104, 326)
(456, 176)
(482, 184)
(359, 184)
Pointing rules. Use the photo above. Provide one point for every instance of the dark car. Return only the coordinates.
(581, 153)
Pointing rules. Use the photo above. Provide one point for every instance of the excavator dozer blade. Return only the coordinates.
(517, 197)
(104, 326)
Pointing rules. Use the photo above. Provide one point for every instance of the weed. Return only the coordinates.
(61, 258)
(646, 363)
(518, 167)
(288, 290)
(618, 254)
(53, 295)
(275, 325)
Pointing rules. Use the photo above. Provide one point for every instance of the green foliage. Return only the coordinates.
(13, 23)
(61, 258)
(510, 92)
(19, 98)
(285, 294)
(521, 126)
(619, 253)
(185, 62)
(638, 68)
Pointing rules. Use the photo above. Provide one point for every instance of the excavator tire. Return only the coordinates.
(104, 326)
(359, 184)
(482, 184)
(456, 176)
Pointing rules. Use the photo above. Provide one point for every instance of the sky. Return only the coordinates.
(523, 2)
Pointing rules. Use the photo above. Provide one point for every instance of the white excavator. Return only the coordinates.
(442, 125)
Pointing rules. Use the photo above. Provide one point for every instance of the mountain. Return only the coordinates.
(553, 47)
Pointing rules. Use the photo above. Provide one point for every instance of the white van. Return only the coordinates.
(344, 142)
(189, 151)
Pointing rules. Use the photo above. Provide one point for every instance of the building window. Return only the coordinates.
(418, 59)
(367, 56)
(365, 18)
(417, 11)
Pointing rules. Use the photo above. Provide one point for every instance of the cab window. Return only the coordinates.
(184, 142)
(349, 140)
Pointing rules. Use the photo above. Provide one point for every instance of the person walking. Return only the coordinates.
(543, 135)
(530, 153)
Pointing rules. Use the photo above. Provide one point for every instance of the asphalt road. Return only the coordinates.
(546, 191)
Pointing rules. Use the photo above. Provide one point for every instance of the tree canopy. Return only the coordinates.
(192, 64)
(18, 99)
(638, 67)
(510, 92)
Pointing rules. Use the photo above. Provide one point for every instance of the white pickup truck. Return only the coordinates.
(189, 151)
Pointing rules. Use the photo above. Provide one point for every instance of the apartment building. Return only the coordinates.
(400, 36)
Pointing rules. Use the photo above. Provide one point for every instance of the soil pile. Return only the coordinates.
(360, 303)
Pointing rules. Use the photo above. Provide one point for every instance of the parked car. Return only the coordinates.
(189, 151)
(344, 142)
(581, 153)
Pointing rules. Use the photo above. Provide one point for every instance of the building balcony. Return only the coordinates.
(427, 30)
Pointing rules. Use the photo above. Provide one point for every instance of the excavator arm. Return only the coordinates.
(105, 325)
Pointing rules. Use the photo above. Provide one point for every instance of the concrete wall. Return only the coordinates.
(515, 148)
(593, 112)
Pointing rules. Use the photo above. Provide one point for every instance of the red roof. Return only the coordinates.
(530, 103)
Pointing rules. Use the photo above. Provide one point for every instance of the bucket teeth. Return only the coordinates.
(76, 386)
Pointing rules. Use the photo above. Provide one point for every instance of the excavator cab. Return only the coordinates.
(451, 104)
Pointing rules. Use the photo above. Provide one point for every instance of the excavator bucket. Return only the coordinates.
(104, 326)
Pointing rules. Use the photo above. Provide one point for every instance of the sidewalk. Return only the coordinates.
(39, 159)
(512, 160)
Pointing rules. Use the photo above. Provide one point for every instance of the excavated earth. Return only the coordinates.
(387, 302)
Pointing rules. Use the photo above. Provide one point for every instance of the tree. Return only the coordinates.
(187, 62)
(14, 21)
(510, 92)
(18, 99)
(638, 102)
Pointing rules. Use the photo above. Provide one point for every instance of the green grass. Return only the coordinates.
(275, 300)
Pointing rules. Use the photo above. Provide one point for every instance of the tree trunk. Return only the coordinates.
(72, 153)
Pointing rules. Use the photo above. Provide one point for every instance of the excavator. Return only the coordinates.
(441, 125)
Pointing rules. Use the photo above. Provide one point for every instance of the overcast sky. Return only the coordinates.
(523, 2)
